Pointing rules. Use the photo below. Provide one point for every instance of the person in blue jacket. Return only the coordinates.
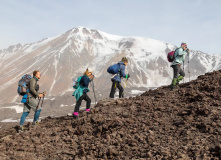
(116, 80)
(81, 92)
(178, 73)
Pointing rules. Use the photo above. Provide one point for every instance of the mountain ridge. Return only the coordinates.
(163, 124)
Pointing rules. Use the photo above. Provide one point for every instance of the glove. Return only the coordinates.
(187, 50)
(127, 76)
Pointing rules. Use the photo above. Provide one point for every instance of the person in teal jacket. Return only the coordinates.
(178, 73)
(81, 93)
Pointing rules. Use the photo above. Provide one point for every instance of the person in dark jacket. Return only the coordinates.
(116, 80)
(84, 82)
(32, 101)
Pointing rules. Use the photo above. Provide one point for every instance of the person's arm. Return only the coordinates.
(122, 71)
(32, 87)
(181, 52)
(85, 81)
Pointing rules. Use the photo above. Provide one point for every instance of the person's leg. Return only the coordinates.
(121, 90)
(26, 111)
(78, 104)
(175, 76)
(113, 89)
(182, 75)
(88, 100)
(23, 117)
(33, 103)
(37, 114)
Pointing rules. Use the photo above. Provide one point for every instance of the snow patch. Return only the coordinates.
(136, 92)
(18, 120)
(9, 120)
(62, 105)
(18, 109)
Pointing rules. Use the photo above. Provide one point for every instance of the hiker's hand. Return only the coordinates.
(40, 95)
(187, 50)
(44, 93)
(92, 76)
(128, 76)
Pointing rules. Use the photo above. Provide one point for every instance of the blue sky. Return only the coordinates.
(196, 22)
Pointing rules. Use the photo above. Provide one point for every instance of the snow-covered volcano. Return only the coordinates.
(66, 56)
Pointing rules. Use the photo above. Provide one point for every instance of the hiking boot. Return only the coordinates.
(35, 123)
(22, 128)
(87, 110)
(173, 88)
(75, 117)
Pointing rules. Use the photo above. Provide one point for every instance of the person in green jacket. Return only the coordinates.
(81, 93)
(32, 103)
(178, 73)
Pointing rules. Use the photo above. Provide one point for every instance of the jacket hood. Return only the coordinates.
(121, 63)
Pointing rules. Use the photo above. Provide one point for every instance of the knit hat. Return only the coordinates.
(183, 44)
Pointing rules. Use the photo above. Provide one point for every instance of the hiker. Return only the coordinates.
(81, 93)
(179, 57)
(32, 102)
(116, 80)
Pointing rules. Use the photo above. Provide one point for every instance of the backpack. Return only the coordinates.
(170, 55)
(114, 69)
(76, 82)
(23, 84)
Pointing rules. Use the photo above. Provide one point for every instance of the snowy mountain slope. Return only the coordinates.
(68, 55)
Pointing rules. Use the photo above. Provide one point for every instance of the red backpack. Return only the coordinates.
(170, 55)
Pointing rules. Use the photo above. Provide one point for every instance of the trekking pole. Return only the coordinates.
(124, 87)
(183, 71)
(95, 99)
(39, 100)
(189, 65)
(125, 83)
(43, 99)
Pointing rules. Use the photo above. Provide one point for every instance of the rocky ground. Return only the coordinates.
(159, 124)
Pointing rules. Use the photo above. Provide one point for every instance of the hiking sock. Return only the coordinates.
(179, 79)
(23, 117)
(37, 114)
(174, 82)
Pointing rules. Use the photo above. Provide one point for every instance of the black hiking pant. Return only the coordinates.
(78, 104)
(177, 70)
(115, 85)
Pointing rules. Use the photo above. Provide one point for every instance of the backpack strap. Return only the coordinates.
(119, 68)
(175, 52)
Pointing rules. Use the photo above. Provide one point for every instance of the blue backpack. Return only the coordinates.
(76, 82)
(23, 87)
(114, 69)
(23, 84)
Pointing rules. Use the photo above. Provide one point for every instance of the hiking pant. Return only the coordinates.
(25, 114)
(32, 104)
(178, 74)
(83, 97)
(115, 85)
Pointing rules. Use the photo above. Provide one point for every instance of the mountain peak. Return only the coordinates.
(84, 32)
